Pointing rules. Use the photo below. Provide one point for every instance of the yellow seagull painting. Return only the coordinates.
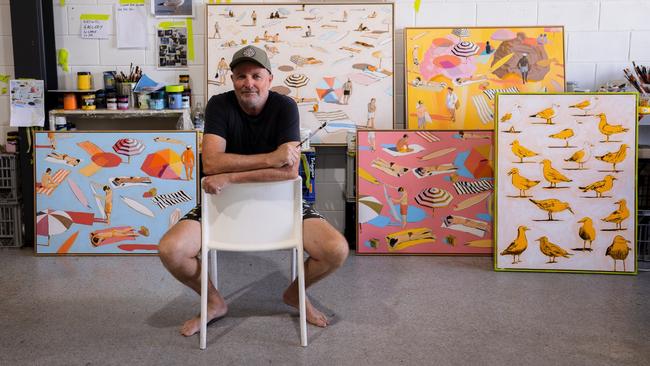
(618, 250)
(614, 157)
(606, 129)
(586, 105)
(552, 175)
(518, 245)
(587, 232)
(521, 183)
(581, 156)
(551, 250)
(513, 115)
(600, 186)
(551, 205)
(618, 216)
(547, 114)
(565, 135)
(521, 152)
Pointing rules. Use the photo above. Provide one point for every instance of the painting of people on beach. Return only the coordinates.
(111, 192)
(424, 192)
(453, 74)
(334, 60)
(566, 182)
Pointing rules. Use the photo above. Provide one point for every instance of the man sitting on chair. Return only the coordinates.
(251, 135)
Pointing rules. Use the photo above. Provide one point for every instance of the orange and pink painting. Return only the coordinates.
(424, 192)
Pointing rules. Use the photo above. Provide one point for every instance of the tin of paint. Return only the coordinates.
(174, 96)
(88, 101)
(69, 101)
(123, 102)
(83, 80)
(111, 101)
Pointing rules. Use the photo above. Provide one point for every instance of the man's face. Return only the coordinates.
(252, 83)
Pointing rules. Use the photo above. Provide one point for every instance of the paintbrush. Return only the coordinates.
(313, 133)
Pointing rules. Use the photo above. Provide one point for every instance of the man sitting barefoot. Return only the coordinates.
(251, 135)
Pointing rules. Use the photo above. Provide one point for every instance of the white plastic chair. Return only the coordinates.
(252, 217)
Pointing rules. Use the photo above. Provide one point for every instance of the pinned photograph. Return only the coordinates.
(172, 8)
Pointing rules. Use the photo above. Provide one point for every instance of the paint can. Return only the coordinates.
(84, 80)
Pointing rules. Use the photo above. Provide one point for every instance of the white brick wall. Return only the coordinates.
(603, 36)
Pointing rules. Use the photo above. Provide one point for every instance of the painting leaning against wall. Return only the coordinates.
(334, 60)
(453, 74)
(566, 182)
(424, 192)
(111, 192)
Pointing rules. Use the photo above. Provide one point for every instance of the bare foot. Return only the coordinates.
(215, 311)
(314, 316)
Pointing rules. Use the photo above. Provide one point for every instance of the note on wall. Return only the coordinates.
(131, 22)
(94, 26)
(26, 100)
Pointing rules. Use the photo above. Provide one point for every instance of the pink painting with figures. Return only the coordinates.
(424, 192)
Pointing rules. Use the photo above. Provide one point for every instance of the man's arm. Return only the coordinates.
(227, 168)
(217, 161)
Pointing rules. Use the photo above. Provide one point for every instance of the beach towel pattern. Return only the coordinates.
(338, 115)
(58, 177)
(473, 187)
(428, 136)
(169, 199)
(491, 93)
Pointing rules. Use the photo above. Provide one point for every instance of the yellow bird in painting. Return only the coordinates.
(551, 205)
(518, 245)
(586, 105)
(618, 250)
(548, 114)
(521, 183)
(614, 157)
(551, 250)
(513, 115)
(618, 216)
(600, 186)
(552, 175)
(587, 232)
(565, 135)
(606, 129)
(581, 156)
(521, 152)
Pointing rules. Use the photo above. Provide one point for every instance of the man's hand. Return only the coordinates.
(213, 184)
(285, 154)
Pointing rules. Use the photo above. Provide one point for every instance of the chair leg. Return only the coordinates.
(214, 274)
(294, 254)
(204, 298)
(302, 297)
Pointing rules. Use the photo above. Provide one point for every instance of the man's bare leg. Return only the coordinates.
(327, 250)
(178, 250)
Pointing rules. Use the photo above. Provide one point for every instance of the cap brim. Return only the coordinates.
(234, 64)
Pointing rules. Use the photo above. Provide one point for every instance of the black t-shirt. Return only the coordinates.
(278, 123)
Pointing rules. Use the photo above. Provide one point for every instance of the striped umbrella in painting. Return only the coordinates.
(296, 81)
(465, 49)
(128, 147)
(434, 197)
(52, 222)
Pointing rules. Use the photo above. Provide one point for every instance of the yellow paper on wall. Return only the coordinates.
(62, 59)
(190, 40)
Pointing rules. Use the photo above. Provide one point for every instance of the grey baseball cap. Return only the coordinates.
(251, 54)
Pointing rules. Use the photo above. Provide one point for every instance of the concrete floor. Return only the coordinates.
(385, 311)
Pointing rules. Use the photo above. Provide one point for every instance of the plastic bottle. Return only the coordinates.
(198, 116)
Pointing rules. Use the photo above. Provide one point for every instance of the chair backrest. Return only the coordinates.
(253, 216)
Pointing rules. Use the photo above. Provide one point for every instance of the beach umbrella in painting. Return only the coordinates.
(164, 164)
(460, 32)
(380, 55)
(434, 197)
(296, 81)
(128, 147)
(330, 89)
(298, 60)
(52, 222)
(465, 49)
(369, 208)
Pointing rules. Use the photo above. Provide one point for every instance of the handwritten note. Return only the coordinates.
(94, 26)
(131, 21)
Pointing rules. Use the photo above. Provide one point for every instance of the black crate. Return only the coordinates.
(643, 238)
(9, 191)
(11, 225)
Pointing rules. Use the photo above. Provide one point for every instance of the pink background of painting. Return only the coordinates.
(413, 186)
